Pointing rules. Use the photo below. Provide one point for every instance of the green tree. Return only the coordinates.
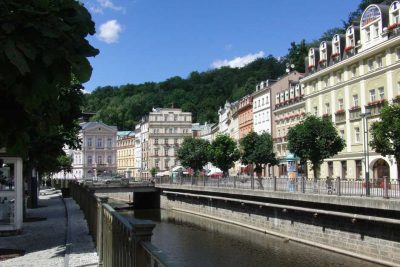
(386, 133)
(193, 153)
(43, 46)
(314, 139)
(297, 54)
(258, 150)
(223, 152)
(153, 172)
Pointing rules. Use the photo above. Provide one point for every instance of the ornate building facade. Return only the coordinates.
(348, 80)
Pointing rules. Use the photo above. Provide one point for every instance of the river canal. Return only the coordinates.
(196, 241)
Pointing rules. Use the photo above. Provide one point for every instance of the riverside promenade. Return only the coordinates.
(55, 234)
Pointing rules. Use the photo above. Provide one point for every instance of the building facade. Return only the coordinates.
(348, 80)
(262, 107)
(162, 133)
(98, 153)
(245, 115)
(126, 153)
(288, 107)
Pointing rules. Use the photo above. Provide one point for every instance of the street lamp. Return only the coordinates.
(364, 117)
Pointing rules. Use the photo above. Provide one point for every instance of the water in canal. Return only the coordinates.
(196, 241)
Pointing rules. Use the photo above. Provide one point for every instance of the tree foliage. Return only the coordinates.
(258, 150)
(223, 152)
(201, 93)
(193, 153)
(42, 47)
(314, 139)
(386, 132)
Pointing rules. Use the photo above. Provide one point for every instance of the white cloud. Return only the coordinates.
(109, 31)
(96, 9)
(238, 62)
(110, 4)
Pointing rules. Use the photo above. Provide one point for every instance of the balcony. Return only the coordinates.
(375, 106)
(340, 116)
(289, 102)
(327, 116)
(355, 113)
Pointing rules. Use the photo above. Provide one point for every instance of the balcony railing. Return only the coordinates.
(340, 116)
(355, 113)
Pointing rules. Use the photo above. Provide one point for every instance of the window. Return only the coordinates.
(376, 30)
(353, 71)
(342, 134)
(99, 142)
(165, 117)
(355, 100)
(358, 169)
(379, 61)
(372, 96)
(109, 142)
(357, 135)
(339, 76)
(166, 141)
(156, 152)
(370, 65)
(398, 53)
(381, 91)
(166, 152)
(367, 33)
(262, 102)
(156, 141)
(166, 163)
(89, 142)
(89, 160)
(176, 141)
(109, 159)
(316, 111)
(156, 163)
(327, 108)
(99, 160)
(340, 101)
(175, 117)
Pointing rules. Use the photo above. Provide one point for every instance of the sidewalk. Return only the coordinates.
(60, 240)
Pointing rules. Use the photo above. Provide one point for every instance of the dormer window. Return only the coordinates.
(277, 99)
(394, 15)
(297, 90)
(311, 58)
(323, 53)
(349, 39)
(371, 24)
(335, 46)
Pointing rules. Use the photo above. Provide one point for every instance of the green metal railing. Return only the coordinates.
(119, 241)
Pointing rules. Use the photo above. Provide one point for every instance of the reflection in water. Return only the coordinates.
(196, 241)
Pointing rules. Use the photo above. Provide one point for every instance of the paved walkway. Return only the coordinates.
(60, 240)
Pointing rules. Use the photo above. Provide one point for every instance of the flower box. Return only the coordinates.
(321, 61)
(376, 102)
(310, 67)
(339, 111)
(392, 26)
(348, 48)
(355, 108)
(334, 54)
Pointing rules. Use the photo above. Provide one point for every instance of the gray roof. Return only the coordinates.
(86, 125)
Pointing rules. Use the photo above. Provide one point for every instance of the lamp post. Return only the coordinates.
(364, 117)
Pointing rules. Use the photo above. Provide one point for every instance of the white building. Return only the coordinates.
(97, 155)
(262, 107)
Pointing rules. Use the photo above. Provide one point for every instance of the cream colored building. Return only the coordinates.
(126, 153)
(288, 109)
(351, 75)
(163, 132)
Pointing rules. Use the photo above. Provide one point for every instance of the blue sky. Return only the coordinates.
(152, 40)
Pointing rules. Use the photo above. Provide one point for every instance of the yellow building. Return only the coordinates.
(348, 79)
(125, 153)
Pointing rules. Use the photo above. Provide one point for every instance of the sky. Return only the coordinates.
(153, 40)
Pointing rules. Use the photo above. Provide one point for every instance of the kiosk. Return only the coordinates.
(292, 171)
(11, 193)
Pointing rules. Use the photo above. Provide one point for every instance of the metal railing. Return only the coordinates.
(385, 187)
(119, 241)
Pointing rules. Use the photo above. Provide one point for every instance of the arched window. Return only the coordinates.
(350, 39)
(394, 15)
(371, 24)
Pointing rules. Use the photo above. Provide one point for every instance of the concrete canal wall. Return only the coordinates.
(373, 238)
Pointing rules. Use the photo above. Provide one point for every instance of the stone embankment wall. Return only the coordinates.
(374, 241)
(123, 196)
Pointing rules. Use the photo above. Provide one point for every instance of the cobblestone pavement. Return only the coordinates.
(47, 242)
